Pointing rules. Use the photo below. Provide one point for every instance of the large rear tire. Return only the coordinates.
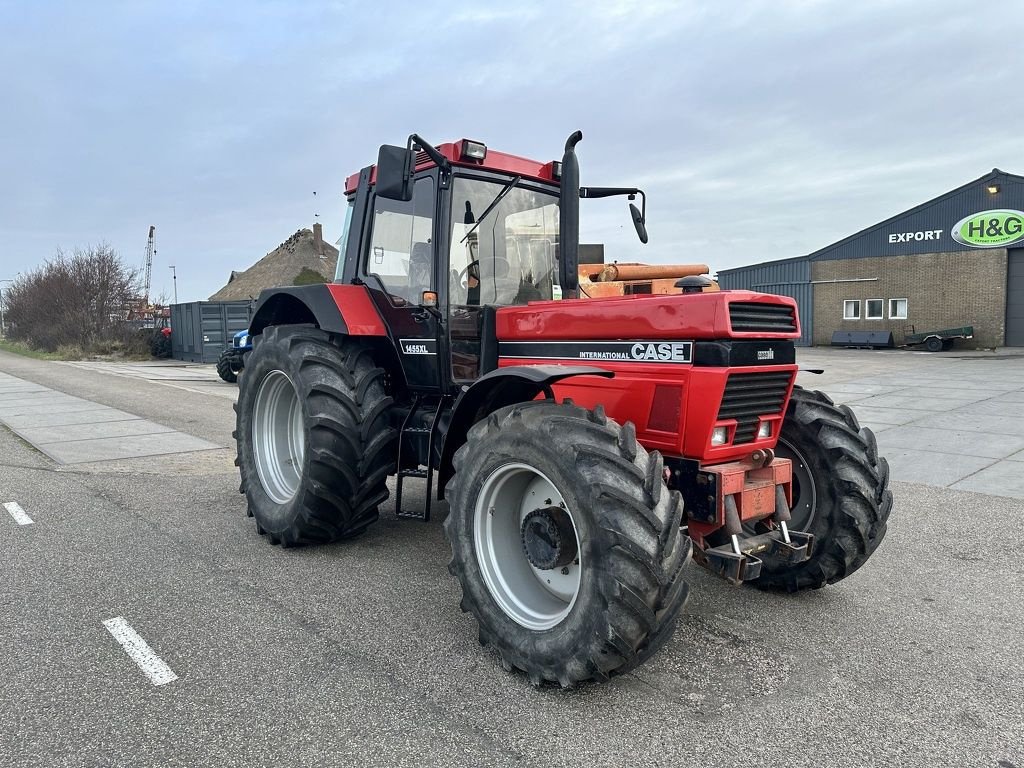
(566, 542)
(315, 446)
(840, 492)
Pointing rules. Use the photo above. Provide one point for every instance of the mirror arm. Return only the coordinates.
(593, 192)
(629, 192)
(417, 142)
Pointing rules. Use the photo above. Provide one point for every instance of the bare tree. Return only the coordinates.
(80, 299)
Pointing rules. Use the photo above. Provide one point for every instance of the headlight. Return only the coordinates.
(765, 430)
(720, 436)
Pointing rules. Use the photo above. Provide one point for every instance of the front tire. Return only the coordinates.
(315, 446)
(840, 492)
(566, 542)
(229, 365)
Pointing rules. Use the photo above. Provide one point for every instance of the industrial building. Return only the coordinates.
(955, 260)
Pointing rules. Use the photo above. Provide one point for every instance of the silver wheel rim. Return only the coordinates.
(278, 439)
(534, 598)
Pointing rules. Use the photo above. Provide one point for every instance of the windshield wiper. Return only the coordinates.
(494, 204)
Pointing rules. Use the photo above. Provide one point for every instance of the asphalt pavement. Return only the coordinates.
(356, 653)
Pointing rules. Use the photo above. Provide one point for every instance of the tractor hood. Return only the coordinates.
(720, 315)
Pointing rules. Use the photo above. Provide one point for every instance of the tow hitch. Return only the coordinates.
(748, 501)
(745, 564)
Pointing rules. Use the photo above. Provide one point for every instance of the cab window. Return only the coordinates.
(342, 243)
(401, 250)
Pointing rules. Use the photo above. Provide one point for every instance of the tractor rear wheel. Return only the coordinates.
(315, 446)
(840, 492)
(566, 542)
(229, 365)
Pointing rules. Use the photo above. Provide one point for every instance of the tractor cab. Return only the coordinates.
(444, 236)
(468, 228)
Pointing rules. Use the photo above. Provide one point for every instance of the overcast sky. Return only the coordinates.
(759, 130)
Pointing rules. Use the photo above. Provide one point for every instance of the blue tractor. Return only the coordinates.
(232, 359)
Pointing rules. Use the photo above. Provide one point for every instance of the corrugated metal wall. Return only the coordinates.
(201, 330)
(791, 277)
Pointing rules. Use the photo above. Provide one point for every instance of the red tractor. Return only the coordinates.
(584, 446)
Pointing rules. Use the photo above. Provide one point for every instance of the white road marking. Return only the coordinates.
(139, 651)
(14, 508)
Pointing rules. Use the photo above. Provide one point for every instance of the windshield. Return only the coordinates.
(508, 255)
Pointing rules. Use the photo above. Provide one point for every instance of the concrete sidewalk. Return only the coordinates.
(194, 377)
(71, 430)
(947, 420)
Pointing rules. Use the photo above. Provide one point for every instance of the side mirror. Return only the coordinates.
(638, 223)
(394, 171)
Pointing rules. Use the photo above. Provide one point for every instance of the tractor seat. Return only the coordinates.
(421, 270)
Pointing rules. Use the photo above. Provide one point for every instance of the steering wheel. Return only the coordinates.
(471, 270)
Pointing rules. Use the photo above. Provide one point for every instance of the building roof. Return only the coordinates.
(992, 176)
(281, 267)
(838, 248)
(787, 260)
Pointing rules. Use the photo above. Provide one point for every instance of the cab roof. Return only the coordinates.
(493, 161)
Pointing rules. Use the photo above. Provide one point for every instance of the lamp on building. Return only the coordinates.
(992, 189)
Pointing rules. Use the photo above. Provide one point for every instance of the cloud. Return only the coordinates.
(759, 129)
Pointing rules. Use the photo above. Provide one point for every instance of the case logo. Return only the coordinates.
(666, 352)
(766, 354)
(626, 351)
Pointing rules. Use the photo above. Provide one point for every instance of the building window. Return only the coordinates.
(873, 309)
(851, 310)
(897, 309)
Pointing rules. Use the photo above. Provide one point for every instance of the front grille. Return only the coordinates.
(754, 317)
(750, 395)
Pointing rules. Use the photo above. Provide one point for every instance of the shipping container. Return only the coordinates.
(201, 330)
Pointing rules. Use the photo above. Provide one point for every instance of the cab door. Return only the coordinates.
(399, 263)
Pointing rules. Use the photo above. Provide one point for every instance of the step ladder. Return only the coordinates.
(428, 473)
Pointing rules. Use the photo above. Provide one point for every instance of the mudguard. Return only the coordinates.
(336, 308)
(501, 387)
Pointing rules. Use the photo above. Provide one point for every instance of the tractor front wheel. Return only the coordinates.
(566, 542)
(315, 446)
(229, 365)
(840, 492)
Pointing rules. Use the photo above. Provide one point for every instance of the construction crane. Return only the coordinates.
(150, 250)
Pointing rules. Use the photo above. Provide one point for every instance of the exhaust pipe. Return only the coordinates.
(569, 220)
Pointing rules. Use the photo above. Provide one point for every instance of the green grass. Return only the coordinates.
(17, 348)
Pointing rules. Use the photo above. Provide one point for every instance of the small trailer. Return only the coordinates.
(936, 341)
